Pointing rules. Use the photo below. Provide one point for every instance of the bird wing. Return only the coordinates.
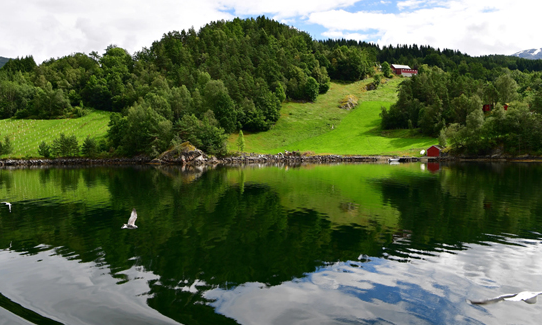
(493, 300)
(133, 218)
(525, 296)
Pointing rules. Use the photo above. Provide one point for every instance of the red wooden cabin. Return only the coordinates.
(433, 151)
(403, 70)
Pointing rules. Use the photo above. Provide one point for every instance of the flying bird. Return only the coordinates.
(8, 204)
(525, 296)
(131, 221)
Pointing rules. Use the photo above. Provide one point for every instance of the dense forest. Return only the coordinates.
(234, 75)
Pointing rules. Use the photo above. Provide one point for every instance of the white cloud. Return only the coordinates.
(348, 36)
(409, 4)
(60, 27)
(55, 28)
(285, 8)
(477, 28)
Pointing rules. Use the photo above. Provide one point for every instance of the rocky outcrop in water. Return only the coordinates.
(184, 154)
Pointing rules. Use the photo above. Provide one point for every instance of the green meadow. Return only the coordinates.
(27, 134)
(324, 128)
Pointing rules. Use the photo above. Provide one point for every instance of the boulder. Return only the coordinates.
(348, 102)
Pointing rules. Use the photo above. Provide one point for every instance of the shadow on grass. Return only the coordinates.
(403, 142)
(345, 82)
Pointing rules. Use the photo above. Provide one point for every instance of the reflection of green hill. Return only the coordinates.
(345, 193)
(53, 184)
(467, 202)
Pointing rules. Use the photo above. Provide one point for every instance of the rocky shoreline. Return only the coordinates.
(199, 158)
(74, 161)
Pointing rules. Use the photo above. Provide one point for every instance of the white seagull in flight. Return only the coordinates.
(131, 221)
(525, 296)
(8, 204)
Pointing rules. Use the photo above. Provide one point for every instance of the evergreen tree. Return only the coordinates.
(89, 147)
(241, 141)
(44, 150)
(6, 147)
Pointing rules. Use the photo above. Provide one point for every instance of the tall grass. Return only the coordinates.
(26, 135)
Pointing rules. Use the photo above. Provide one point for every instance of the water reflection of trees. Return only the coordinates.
(195, 230)
(6, 179)
(466, 203)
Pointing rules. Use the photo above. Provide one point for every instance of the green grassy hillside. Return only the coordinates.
(323, 128)
(26, 135)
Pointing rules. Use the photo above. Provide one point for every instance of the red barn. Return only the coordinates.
(403, 70)
(433, 151)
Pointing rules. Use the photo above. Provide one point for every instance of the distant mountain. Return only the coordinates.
(3, 61)
(532, 54)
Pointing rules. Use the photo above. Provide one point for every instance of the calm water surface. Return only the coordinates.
(316, 244)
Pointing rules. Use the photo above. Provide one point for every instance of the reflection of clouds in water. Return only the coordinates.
(72, 292)
(193, 288)
(510, 266)
(429, 291)
(345, 293)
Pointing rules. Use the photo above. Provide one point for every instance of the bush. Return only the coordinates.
(376, 81)
(102, 146)
(6, 148)
(65, 146)
(89, 148)
(205, 134)
(44, 150)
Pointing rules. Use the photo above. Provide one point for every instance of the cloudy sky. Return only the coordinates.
(55, 28)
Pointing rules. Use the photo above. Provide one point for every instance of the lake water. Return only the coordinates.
(314, 244)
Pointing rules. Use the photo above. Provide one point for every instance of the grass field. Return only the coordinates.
(323, 128)
(26, 135)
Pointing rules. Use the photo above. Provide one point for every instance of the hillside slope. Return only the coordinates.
(27, 134)
(323, 128)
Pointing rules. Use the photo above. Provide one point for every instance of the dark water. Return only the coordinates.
(333, 244)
